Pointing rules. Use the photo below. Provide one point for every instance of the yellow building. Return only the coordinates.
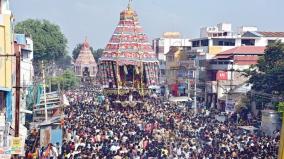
(177, 67)
(6, 48)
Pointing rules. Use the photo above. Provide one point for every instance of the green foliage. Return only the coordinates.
(281, 107)
(268, 75)
(66, 81)
(96, 53)
(49, 42)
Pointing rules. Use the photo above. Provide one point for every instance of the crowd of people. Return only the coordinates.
(156, 129)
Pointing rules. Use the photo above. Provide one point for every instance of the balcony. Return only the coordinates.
(220, 65)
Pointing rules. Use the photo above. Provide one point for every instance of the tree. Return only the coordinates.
(268, 75)
(96, 53)
(49, 42)
(66, 81)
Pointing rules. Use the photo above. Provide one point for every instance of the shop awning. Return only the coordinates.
(26, 111)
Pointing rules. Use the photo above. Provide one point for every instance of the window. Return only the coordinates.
(205, 42)
(269, 42)
(25, 54)
(2, 102)
(195, 43)
(224, 42)
(163, 72)
(248, 42)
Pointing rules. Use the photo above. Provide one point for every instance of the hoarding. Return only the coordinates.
(230, 106)
(221, 75)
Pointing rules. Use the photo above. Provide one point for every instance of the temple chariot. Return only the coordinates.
(128, 61)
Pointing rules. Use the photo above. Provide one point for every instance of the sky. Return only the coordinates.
(97, 19)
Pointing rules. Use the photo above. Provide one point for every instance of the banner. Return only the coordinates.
(221, 75)
(17, 146)
(230, 106)
(191, 74)
(5, 153)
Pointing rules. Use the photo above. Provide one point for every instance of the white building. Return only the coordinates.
(216, 39)
(221, 30)
(161, 47)
(25, 44)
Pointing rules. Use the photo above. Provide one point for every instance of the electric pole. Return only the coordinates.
(44, 91)
(18, 87)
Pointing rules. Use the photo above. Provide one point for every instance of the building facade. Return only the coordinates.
(215, 41)
(161, 47)
(6, 61)
(6, 70)
(24, 44)
(178, 65)
(225, 79)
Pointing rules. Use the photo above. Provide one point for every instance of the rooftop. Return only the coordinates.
(271, 34)
(242, 50)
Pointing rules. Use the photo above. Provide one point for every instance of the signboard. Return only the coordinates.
(50, 134)
(182, 73)
(191, 74)
(187, 64)
(17, 146)
(230, 106)
(221, 75)
(5, 153)
(45, 135)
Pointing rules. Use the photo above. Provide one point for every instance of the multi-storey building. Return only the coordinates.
(214, 40)
(24, 44)
(161, 47)
(177, 67)
(224, 77)
(5, 63)
(218, 51)
(221, 39)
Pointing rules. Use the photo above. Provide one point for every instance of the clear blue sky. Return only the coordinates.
(97, 19)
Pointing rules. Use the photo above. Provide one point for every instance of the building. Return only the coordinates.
(178, 65)
(261, 38)
(24, 44)
(162, 46)
(214, 40)
(85, 64)
(221, 38)
(128, 60)
(6, 70)
(224, 76)
(27, 71)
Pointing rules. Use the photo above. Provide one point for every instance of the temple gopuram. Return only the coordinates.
(85, 64)
(128, 60)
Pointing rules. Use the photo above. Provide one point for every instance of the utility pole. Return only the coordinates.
(231, 81)
(188, 86)
(44, 91)
(18, 87)
(195, 84)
